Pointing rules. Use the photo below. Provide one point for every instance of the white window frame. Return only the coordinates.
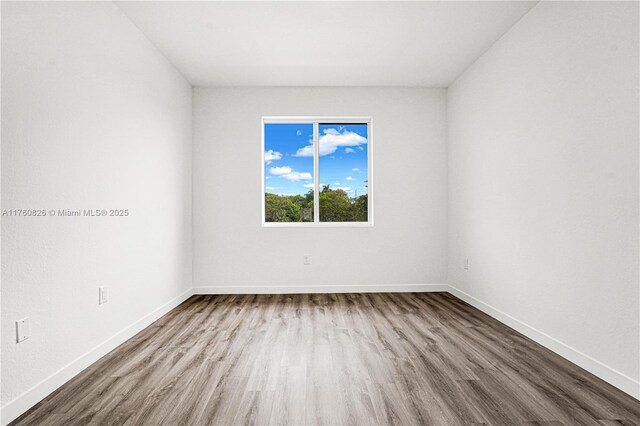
(316, 121)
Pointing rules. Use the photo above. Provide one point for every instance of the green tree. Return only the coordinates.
(308, 198)
(281, 209)
(297, 200)
(308, 205)
(360, 208)
(335, 206)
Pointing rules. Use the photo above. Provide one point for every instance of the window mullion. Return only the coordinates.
(316, 177)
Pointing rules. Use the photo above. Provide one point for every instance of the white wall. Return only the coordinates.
(93, 117)
(543, 183)
(407, 245)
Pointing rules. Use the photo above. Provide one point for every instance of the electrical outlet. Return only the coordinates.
(103, 295)
(466, 264)
(306, 260)
(23, 329)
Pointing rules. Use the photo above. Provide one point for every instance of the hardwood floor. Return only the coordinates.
(332, 359)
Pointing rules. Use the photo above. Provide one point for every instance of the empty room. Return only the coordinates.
(320, 213)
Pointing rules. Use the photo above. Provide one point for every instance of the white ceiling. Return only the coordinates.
(323, 43)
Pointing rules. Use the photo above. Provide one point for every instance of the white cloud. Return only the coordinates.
(349, 178)
(337, 183)
(290, 174)
(310, 185)
(271, 155)
(331, 140)
(306, 151)
(280, 170)
(270, 188)
(355, 170)
(296, 176)
(299, 133)
(349, 150)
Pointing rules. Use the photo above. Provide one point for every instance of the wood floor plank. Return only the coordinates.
(332, 359)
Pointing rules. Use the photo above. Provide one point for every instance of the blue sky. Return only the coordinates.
(289, 157)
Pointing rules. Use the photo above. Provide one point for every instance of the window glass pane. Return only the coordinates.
(288, 172)
(343, 172)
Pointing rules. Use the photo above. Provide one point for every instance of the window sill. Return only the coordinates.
(317, 224)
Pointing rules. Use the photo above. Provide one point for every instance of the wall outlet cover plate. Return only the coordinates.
(23, 329)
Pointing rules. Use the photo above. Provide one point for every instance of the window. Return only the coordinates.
(316, 171)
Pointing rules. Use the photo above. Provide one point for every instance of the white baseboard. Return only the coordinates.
(359, 288)
(595, 367)
(31, 397)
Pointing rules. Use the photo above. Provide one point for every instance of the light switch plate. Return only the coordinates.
(23, 329)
